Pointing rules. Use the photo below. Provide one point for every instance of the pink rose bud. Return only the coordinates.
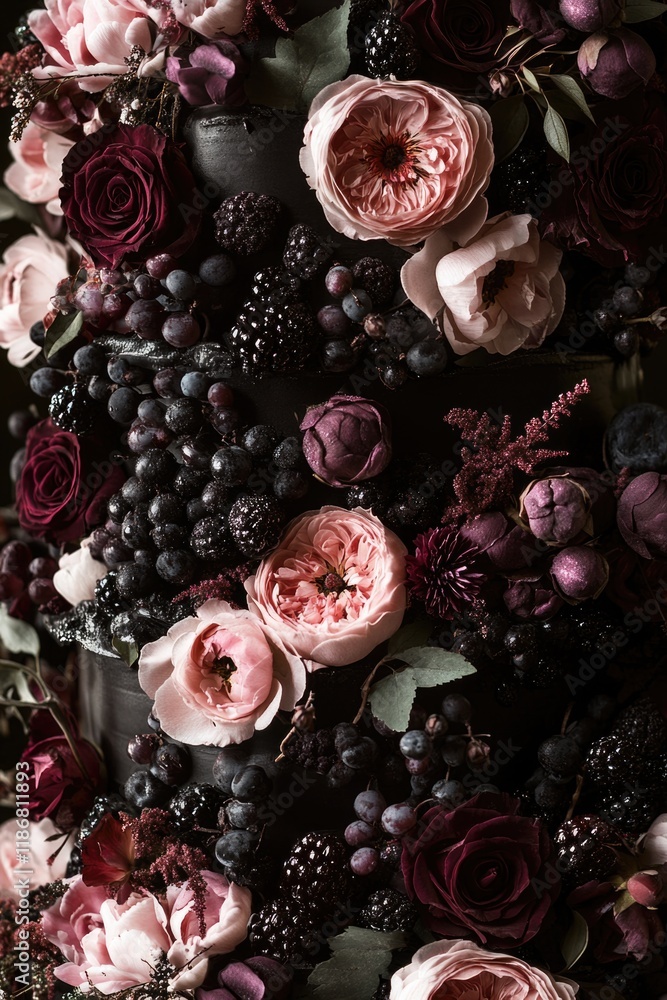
(580, 573)
(616, 62)
(556, 509)
(642, 515)
(347, 440)
(647, 888)
(589, 15)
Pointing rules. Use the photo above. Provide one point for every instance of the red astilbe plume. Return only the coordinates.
(227, 586)
(272, 11)
(490, 456)
(14, 65)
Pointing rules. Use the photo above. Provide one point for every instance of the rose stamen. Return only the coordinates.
(394, 157)
(333, 582)
(496, 280)
(224, 667)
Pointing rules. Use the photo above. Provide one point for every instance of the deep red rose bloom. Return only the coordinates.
(132, 195)
(478, 871)
(62, 491)
(613, 937)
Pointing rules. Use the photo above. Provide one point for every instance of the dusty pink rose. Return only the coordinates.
(219, 676)
(211, 18)
(35, 173)
(78, 573)
(502, 291)
(41, 849)
(30, 270)
(90, 37)
(334, 589)
(397, 160)
(461, 970)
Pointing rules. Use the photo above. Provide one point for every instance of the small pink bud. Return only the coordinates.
(647, 888)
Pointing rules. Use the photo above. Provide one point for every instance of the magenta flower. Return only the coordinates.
(210, 74)
(443, 573)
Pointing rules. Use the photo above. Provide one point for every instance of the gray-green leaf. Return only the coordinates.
(359, 958)
(18, 636)
(643, 10)
(414, 634)
(555, 131)
(510, 121)
(531, 79)
(572, 90)
(62, 331)
(575, 942)
(391, 699)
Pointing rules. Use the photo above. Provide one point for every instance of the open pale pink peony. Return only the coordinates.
(334, 589)
(41, 850)
(35, 173)
(78, 573)
(211, 18)
(397, 160)
(219, 676)
(501, 291)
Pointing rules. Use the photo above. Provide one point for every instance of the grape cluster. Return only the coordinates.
(244, 791)
(26, 579)
(615, 313)
(168, 767)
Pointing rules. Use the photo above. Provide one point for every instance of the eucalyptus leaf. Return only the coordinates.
(571, 89)
(531, 79)
(510, 121)
(555, 131)
(565, 107)
(391, 699)
(359, 958)
(16, 635)
(575, 942)
(644, 10)
(63, 330)
(414, 634)
(316, 55)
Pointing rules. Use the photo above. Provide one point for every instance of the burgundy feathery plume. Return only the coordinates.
(269, 8)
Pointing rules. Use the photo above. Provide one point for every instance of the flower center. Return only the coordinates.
(224, 667)
(496, 280)
(393, 156)
(332, 582)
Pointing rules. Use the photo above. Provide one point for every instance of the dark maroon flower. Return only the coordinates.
(590, 15)
(347, 440)
(444, 572)
(508, 547)
(62, 491)
(532, 599)
(132, 195)
(580, 573)
(642, 515)
(541, 20)
(107, 855)
(66, 110)
(615, 62)
(212, 73)
(478, 871)
(615, 936)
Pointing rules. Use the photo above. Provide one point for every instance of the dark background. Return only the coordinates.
(13, 389)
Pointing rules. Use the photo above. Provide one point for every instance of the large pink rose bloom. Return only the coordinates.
(219, 676)
(41, 849)
(211, 18)
(334, 589)
(38, 159)
(30, 270)
(461, 970)
(501, 291)
(397, 160)
(92, 38)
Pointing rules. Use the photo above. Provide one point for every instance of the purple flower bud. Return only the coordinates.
(589, 15)
(508, 546)
(580, 573)
(540, 19)
(642, 515)
(616, 62)
(347, 440)
(532, 599)
(210, 74)
(257, 978)
(556, 509)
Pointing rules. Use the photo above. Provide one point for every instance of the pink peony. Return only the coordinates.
(30, 270)
(501, 291)
(78, 573)
(211, 18)
(35, 174)
(41, 849)
(397, 160)
(334, 589)
(460, 970)
(654, 844)
(219, 676)
(90, 37)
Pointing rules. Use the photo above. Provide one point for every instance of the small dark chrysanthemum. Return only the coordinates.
(443, 573)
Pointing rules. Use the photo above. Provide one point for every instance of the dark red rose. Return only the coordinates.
(62, 490)
(610, 202)
(462, 35)
(478, 871)
(132, 195)
(613, 937)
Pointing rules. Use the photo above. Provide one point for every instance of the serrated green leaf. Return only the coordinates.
(531, 79)
(316, 55)
(18, 636)
(128, 651)
(555, 132)
(510, 121)
(449, 666)
(573, 91)
(414, 634)
(391, 699)
(575, 942)
(644, 10)
(63, 330)
(359, 958)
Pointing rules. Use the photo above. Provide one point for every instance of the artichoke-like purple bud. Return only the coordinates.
(648, 888)
(257, 978)
(347, 440)
(508, 546)
(580, 573)
(616, 62)
(532, 599)
(212, 73)
(642, 515)
(556, 509)
(589, 15)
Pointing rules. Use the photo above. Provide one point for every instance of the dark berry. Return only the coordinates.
(305, 253)
(196, 806)
(246, 222)
(255, 523)
(72, 409)
(390, 49)
(144, 791)
(171, 763)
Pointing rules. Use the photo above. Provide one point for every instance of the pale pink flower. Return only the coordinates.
(35, 174)
(78, 573)
(219, 676)
(30, 270)
(334, 589)
(461, 970)
(40, 850)
(500, 291)
(397, 160)
(654, 844)
(211, 18)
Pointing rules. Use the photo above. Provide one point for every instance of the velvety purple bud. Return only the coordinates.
(580, 573)
(532, 599)
(616, 62)
(508, 546)
(642, 515)
(539, 19)
(589, 15)
(210, 74)
(556, 510)
(257, 978)
(347, 440)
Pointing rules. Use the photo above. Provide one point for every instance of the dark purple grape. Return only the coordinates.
(181, 330)
(145, 318)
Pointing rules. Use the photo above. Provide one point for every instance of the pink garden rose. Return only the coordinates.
(113, 946)
(219, 676)
(30, 270)
(334, 589)
(78, 573)
(501, 291)
(35, 174)
(41, 849)
(459, 969)
(397, 160)
(211, 18)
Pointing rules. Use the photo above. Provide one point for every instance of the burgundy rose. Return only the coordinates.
(210, 74)
(60, 496)
(347, 440)
(133, 195)
(478, 871)
(532, 599)
(642, 515)
(616, 62)
(615, 936)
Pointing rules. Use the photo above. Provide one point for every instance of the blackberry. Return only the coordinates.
(210, 539)
(106, 595)
(633, 811)
(71, 409)
(246, 223)
(585, 847)
(102, 805)
(289, 930)
(255, 523)
(317, 870)
(196, 806)
(612, 762)
(372, 496)
(390, 50)
(274, 337)
(376, 278)
(388, 910)
(275, 286)
(304, 253)
(643, 724)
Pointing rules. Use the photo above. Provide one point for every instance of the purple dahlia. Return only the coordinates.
(443, 573)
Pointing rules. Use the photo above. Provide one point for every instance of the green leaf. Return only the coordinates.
(62, 331)
(128, 651)
(391, 699)
(414, 634)
(561, 103)
(510, 121)
(575, 942)
(555, 131)
(644, 10)
(531, 79)
(18, 636)
(315, 56)
(572, 90)
(359, 958)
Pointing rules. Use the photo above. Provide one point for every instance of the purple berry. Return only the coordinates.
(369, 806)
(364, 861)
(339, 281)
(398, 819)
(181, 330)
(333, 320)
(142, 747)
(359, 833)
